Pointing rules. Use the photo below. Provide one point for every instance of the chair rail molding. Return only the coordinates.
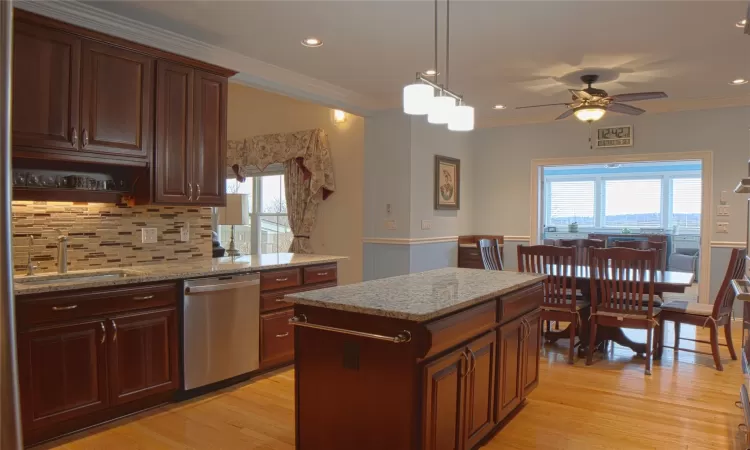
(408, 241)
(706, 158)
(252, 72)
(728, 244)
(517, 238)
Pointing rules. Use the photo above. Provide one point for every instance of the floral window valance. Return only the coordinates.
(308, 148)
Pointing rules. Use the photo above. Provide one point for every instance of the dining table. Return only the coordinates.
(664, 281)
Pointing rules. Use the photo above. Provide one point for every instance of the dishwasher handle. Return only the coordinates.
(189, 290)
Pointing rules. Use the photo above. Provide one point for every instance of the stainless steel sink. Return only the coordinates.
(77, 277)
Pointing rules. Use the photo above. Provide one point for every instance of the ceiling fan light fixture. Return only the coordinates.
(589, 113)
(418, 99)
(441, 109)
(461, 119)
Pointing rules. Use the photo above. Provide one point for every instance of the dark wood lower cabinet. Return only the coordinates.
(480, 389)
(445, 385)
(63, 372)
(510, 340)
(143, 355)
(532, 352)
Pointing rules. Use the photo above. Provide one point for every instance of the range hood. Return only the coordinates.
(744, 186)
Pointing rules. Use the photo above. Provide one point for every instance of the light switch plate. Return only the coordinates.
(148, 235)
(426, 224)
(722, 210)
(390, 224)
(722, 227)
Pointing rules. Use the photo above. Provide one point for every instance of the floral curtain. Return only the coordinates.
(308, 173)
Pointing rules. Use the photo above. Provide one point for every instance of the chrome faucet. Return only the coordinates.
(62, 253)
(29, 265)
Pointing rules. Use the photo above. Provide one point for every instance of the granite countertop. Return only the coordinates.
(165, 271)
(420, 296)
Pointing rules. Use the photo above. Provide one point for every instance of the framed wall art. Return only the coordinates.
(447, 183)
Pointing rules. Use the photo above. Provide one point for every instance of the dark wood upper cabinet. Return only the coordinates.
(480, 389)
(209, 151)
(116, 101)
(143, 355)
(63, 371)
(174, 133)
(532, 352)
(46, 83)
(444, 394)
(509, 388)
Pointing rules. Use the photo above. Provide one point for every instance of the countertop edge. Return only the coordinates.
(73, 286)
(299, 299)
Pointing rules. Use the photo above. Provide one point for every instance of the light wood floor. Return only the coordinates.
(685, 404)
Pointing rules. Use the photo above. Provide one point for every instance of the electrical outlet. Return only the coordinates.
(390, 224)
(148, 235)
(722, 227)
(426, 224)
(722, 210)
(185, 233)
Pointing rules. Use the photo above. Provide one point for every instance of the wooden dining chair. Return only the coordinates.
(660, 247)
(706, 315)
(582, 248)
(489, 249)
(558, 304)
(622, 289)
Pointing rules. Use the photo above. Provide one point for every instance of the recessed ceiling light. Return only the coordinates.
(738, 82)
(741, 23)
(430, 73)
(312, 42)
(499, 107)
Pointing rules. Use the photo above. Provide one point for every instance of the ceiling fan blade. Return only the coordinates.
(566, 114)
(583, 95)
(625, 109)
(638, 96)
(539, 106)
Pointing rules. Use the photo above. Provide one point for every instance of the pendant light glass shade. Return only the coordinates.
(441, 109)
(418, 98)
(589, 113)
(462, 118)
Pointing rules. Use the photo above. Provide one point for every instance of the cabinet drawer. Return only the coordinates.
(277, 338)
(93, 303)
(319, 274)
(458, 327)
(518, 303)
(275, 300)
(279, 279)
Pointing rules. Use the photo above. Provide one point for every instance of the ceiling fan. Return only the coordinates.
(590, 104)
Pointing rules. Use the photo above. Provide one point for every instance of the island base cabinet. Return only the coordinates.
(445, 387)
(480, 389)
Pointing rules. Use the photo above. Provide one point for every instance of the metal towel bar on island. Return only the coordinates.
(400, 338)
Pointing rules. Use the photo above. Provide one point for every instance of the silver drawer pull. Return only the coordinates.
(322, 274)
(301, 321)
(282, 335)
(64, 308)
(280, 300)
(282, 279)
(144, 297)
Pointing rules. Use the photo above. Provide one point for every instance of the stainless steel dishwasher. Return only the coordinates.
(221, 320)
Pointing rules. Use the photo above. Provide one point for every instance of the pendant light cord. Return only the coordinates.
(447, 39)
(436, 42)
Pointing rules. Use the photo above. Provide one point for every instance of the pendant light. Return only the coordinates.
(418, 98)
(462, 118)
(441, 109)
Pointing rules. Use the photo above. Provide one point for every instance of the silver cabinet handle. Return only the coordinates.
(64, 308)
(114, 328)
(473, 361)
(190, 192)
(322, 274)
(85, 137)
(104, 333)
(199, 191)
(282, 279)
(74, 137)
(143, 297)
(282, 335)
(466, 357)
(474, 253)
(280, 300)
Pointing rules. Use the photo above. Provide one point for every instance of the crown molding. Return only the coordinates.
(251, 72)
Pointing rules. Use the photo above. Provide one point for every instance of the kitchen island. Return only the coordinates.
(433, 360)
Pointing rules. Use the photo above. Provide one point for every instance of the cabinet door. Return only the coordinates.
(532, 351)
(276, 338)
(209, 150)
(509, 386)
(46, 80)
(480, 389)
(143, 355)
(444, 391)
(174, 133)
(63, 372)
(116, 101)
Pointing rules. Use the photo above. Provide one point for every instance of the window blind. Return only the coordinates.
(686, 202)
(571, 201)
(632, 203)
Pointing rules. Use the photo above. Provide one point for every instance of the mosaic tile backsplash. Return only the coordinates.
(105, 236)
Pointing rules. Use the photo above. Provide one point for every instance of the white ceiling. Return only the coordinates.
(510, 52)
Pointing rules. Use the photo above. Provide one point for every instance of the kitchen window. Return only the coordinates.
(269, 230)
